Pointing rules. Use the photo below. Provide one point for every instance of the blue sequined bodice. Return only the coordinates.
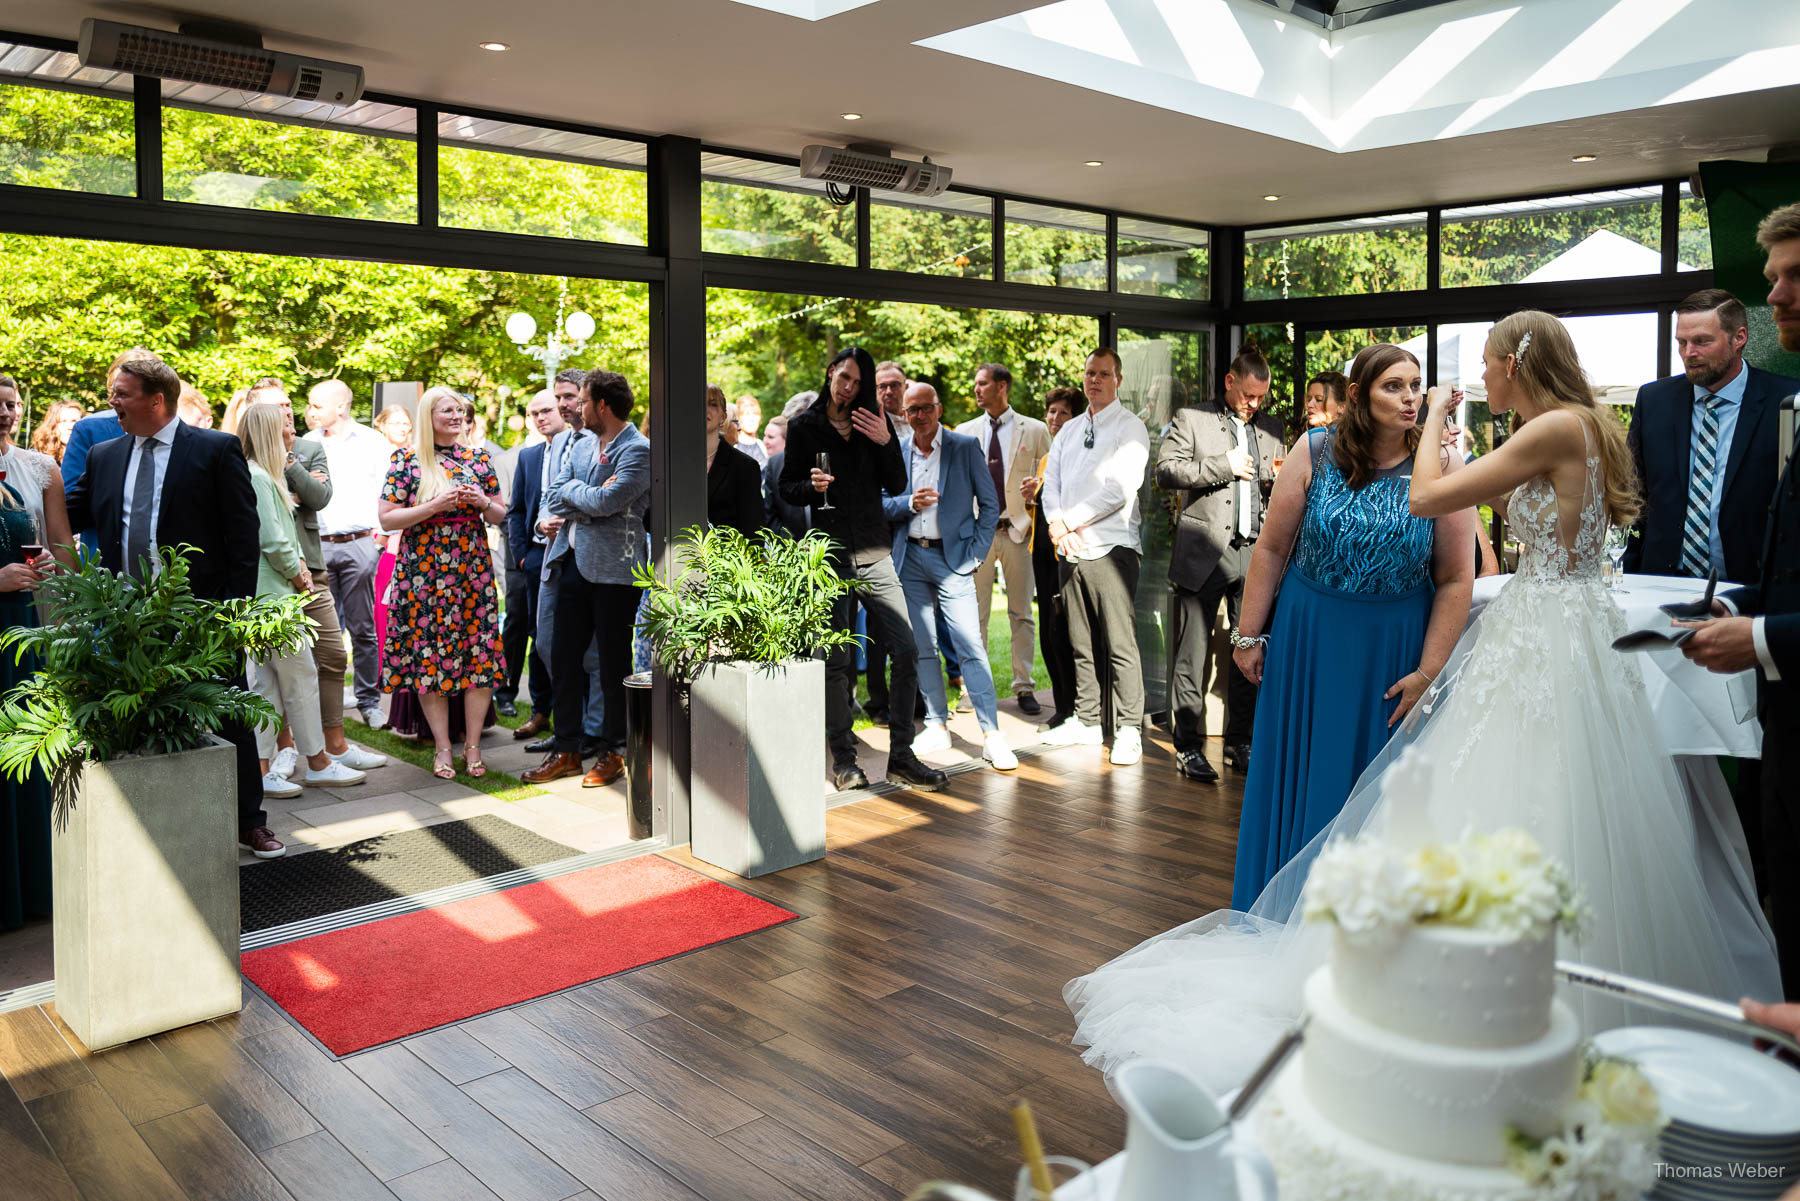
(1361, 540)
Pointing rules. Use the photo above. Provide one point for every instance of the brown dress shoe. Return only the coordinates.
(531, 729)
(555, 766)
(610, 768)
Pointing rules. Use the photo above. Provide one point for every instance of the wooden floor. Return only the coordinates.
(878, 1042)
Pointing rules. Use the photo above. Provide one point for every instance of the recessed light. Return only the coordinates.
(1271, 196)
(852, 116)
(1584, 158)
(1093, 162)
(494, 46)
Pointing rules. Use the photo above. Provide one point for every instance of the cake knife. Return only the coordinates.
(1721, 1015)
(1265, 1071)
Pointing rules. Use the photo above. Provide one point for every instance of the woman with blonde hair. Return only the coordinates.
(1535, 724)
(288, 681)
(51, 437)
(443, 628)
(395, 424)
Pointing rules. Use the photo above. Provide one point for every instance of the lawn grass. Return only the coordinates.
(496, 783)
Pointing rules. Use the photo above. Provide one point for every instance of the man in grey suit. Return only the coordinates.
(1220, 460)
(602, 491)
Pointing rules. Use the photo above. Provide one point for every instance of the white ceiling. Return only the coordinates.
(745, 75)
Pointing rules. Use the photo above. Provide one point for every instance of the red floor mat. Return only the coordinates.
(370, 984)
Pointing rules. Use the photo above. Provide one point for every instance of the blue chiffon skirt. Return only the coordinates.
(1320, 716)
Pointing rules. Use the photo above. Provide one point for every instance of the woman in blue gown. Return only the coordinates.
(1366, 612)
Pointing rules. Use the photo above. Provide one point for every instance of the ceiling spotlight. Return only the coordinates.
(496, 46)
(852, 116)
(1271, 196)
(1093, 162)
(1584, 158)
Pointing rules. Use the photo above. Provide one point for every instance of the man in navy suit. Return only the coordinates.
(525, 563)
(166, 483)
(1704, 444)
(943, 527)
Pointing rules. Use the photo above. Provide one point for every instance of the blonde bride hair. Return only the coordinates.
(432, 477)
(1548, 369)
(259, 428)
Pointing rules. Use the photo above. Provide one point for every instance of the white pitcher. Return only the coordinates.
(1178, 1146)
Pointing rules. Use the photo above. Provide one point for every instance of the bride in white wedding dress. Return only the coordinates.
(1535, 722)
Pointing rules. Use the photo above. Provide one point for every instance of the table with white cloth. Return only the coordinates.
(1701, 716)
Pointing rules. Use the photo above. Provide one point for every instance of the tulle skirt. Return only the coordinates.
(1536, 723)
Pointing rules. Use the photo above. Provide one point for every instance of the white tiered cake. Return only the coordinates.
(1438, 1063)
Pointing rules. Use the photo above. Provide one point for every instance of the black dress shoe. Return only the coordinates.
(541, 745)
(910, 771)
(505, 707)
(1238, 757)
(1194, 766)
(848, 776)
(1028, 704)
(878, 716)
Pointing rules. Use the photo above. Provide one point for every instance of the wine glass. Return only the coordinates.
(823, 462)
(1618, 538)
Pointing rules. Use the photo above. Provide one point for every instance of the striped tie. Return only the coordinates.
(1696, 532)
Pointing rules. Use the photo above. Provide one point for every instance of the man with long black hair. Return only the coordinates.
(847, 424)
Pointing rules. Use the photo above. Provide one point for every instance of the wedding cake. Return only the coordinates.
(1438, 1062)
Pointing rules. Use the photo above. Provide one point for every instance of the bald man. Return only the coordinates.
(348, 530)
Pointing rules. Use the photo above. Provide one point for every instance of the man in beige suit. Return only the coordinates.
(1014, 445)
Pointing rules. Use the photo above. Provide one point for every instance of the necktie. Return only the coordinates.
(996, 461)
(143, 500)
(1246, 516)
(1696, 531)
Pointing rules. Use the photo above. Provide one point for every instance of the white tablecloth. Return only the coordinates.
(1696, 710)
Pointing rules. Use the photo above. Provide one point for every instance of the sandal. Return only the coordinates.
(472, 763)
(441, 766)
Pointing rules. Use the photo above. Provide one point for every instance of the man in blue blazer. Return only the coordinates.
(88, 433)
(943, 526)
(524, 565)
(1704, 445)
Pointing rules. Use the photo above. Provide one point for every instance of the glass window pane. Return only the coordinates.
(1693, 235)
(1157, 259)
(74, 134)
(768, 210)
(1591, 236)
(952, 234)
(525, 179)
(243, 150)
(1338, 258)
(1057, 247)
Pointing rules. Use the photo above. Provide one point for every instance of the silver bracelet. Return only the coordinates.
(1243, 643)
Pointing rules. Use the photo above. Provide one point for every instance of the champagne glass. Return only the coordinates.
(823, 462)
(1617, 539)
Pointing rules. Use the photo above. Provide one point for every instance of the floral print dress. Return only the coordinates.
(443, 629)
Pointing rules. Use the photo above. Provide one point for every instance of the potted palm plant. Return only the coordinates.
(737, 625)
(132, 677)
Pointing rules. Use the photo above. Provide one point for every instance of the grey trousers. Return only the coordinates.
(350, 571)
(1101, 596)
(885, 604)
(593, 712)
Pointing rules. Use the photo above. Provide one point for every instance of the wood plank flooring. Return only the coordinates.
(878, 1042)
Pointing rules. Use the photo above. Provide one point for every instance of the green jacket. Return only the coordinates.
(278, 537)
(313, 495)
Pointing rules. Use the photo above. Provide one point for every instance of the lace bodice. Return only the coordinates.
(1544, 552)
(1363, 540)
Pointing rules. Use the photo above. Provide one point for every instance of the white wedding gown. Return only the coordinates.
(1536, 723)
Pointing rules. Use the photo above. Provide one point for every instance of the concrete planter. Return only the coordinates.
(758, 765)
(146, 896)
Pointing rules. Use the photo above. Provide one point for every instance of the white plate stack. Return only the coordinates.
(1734, 1114)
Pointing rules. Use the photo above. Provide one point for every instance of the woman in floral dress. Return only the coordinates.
(443, 634)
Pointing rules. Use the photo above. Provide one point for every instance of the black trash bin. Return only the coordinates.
(637, 754)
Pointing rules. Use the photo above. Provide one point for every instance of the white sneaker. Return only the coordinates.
(1127, 748)
(279, 786)
(285, 763)
(332, 775)
(931, 738)
(1072, 733)
(996, 752)
(373, 717)
(350, 698)
(358, 758)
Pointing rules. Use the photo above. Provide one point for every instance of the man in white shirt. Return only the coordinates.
(1012, 445)
(348, 531)
(1090, 498)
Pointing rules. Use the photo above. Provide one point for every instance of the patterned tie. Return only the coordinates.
(143, 500)
(996, 462)
(1696, 531)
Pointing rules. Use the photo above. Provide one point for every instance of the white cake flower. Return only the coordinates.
(1363, 886)
(1623, 1095)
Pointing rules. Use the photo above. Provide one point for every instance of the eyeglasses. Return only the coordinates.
(918, 410)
